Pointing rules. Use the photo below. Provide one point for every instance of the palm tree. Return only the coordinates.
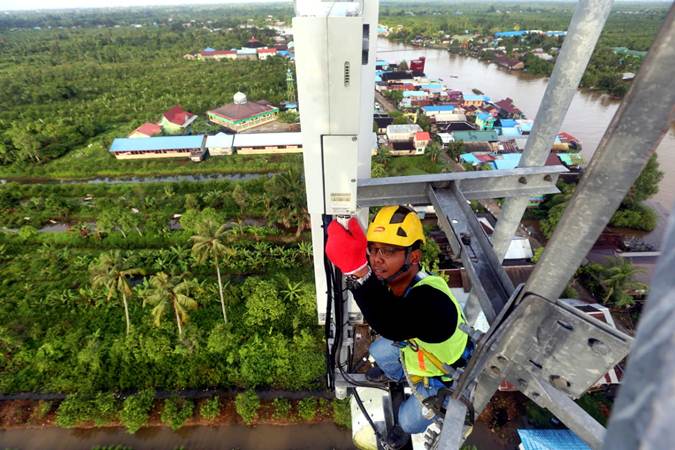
(110, 272)
(165, 292)
(285, 200)
(618, 284)
(209, 243)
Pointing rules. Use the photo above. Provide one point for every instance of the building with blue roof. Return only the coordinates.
(550, 440)
(507, 122)
(510, 34)
(485, 121)
(510, 131)
(438, 108)
(159, 147)
(506, 161)
(556, 33)
(414, 94)
(469, 158)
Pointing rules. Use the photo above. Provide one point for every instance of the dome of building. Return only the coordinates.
(239, 98)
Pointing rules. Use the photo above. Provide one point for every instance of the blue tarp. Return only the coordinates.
(507, 122)
(156, 143)
(551, 440)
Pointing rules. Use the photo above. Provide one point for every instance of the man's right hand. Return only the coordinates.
(346, 248)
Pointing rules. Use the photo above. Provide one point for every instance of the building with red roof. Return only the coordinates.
(146, 130)
(264, 53)
(176, 120)
(242, 114)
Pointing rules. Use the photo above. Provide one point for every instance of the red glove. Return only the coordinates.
(346, 249)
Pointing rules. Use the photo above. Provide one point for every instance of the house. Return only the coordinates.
(247, 53)
(264, 53)
(421, 140)
(450, 127)
(267, 143)
(176, 120)
(509, 63)
(404, 132)
(216, 55)
(417, 66)
(550, 440)
(220, 144)
(403, 148)
(146, 130)
(475, 136)
(485, 121)
(254, 43)
(159, 147)
(242, 114)
(383, 121)
(446, 118)
(508, 110)
(511, 34)
(433, 111)
(474, 100)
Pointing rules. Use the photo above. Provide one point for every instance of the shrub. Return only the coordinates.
(282, 408)
(210, 408)
(136, 410)
(73, 410)
(176, 412)
(247, 404)
(342, 413)
(307, 408)
(103, 408)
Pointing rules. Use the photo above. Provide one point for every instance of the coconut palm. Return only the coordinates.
(209, 244)
(618, 284)
(170, 292)
(111, 273)
(285, 200)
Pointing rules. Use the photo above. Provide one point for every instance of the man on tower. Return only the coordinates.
(415, 313)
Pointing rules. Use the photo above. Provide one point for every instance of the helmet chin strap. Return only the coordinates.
(404, 268)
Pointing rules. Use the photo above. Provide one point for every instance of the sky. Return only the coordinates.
(61, 4)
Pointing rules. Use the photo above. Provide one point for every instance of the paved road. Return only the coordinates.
(384, 101)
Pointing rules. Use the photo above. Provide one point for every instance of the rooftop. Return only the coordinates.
(178, 116)
(156, 143)
(240, 111)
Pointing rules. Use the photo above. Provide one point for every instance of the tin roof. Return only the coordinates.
(550, 440)
(156, 143)
(239, 111)
(149, 129)
(220, 140)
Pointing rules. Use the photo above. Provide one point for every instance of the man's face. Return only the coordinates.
(385, 260)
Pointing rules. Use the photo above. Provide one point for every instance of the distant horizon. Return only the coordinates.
(47, 5)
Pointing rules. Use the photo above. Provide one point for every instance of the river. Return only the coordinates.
(587, 118)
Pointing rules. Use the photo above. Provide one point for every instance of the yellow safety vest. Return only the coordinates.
(448, 351)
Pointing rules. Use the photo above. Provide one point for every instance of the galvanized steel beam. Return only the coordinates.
(525, 182)
(582, 35)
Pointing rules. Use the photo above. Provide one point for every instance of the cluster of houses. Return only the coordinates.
(492, 133)
(172, 138)
(253, 49)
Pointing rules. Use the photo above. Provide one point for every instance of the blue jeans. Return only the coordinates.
(410, 417)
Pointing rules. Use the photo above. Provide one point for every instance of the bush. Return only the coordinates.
(307, 408)
(176, 412)
(210, 408)
(136, 410)
(638, 217)
(342, 413)
(247, 404)
(282, 408)
(73, 410)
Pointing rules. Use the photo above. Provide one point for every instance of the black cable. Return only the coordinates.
(378, 435)
(330, 359)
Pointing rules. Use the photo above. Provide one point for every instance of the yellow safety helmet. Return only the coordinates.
(396, 225)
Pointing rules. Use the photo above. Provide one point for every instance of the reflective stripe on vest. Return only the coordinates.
(447, 351)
